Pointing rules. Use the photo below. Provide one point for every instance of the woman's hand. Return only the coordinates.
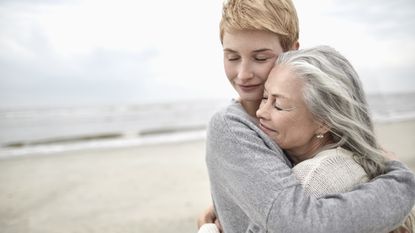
(208, 216)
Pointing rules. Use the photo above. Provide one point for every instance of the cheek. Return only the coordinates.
(229, 70)
(291, 128)
(282, 124)
(303, 130)
(308, 123)
(263, 70)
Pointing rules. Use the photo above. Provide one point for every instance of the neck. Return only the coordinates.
(251, 106)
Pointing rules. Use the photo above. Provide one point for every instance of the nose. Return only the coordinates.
(245, 71)
(263, 110)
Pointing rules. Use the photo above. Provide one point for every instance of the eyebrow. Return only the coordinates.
(276, 95)
(255, 51)
(229, 50)
(262, 50)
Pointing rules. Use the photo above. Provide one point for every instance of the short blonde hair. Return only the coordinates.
(276, 16)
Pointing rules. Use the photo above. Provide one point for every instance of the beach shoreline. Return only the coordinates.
(160, 187)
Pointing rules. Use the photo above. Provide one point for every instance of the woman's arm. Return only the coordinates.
(246, 170)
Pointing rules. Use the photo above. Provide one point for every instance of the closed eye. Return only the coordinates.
(232, 58)
(278, 108)
(261, 59)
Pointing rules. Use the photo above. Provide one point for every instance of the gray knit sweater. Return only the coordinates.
(254, 190)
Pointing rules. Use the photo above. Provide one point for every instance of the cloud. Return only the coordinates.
(90, 51)
(377, 37)
(101, 76)
(31, 3)
(107, 51)
(387, 19)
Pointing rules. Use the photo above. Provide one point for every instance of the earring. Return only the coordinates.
(320, 136)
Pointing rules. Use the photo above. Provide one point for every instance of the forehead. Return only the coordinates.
(251, 40)
(282, 81)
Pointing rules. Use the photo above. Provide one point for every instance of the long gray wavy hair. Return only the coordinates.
(334, 95)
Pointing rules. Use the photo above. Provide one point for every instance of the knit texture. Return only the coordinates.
(330, 171)
(254, 190)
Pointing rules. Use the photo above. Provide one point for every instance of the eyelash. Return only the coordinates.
(278, 108)
(256, 59)
(261, 59)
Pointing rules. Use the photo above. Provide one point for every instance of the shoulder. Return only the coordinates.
(233, 120)
(234, 112)
(331, 171)
(231, 128)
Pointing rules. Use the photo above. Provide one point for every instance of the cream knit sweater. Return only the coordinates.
(330, 171)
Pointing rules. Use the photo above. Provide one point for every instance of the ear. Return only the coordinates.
(295, 46)
(323, 128)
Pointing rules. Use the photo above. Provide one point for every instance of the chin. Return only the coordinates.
(250, 96)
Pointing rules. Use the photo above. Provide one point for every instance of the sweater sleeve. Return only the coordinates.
(259, 180)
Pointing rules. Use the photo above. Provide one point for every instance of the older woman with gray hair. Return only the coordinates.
(315, 109)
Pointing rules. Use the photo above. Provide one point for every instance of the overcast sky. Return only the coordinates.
(94, 52)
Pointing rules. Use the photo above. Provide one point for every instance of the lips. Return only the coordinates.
(248, 88)
(266, 128)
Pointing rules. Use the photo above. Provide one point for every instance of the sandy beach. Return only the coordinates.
(155, 188)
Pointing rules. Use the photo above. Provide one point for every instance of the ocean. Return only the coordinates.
(40, 131)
